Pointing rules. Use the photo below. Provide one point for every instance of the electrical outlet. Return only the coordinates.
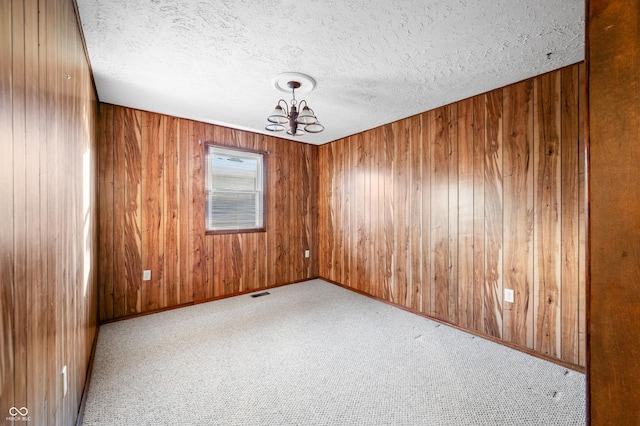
(146, 275)
(64, 381)
(508, 295)
(306, 253)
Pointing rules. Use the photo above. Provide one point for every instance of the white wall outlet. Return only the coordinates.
(306, 253)
(146, 275)
(508, 295)
(64, 381)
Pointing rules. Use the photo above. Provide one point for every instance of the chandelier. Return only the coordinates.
(300, 118)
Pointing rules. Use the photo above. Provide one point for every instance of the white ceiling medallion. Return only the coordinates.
(307, 83)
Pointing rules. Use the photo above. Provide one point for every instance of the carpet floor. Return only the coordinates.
(316, 354)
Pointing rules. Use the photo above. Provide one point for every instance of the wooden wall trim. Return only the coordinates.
(613, 155)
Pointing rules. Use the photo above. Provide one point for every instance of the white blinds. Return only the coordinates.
(234, 189)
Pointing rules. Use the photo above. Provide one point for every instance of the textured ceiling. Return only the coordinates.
(374, 62)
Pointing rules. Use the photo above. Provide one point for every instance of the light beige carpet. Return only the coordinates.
(316, 354)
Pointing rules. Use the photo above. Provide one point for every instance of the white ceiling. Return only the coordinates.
(374, 61)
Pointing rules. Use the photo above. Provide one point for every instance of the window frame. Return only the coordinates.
(264, 154)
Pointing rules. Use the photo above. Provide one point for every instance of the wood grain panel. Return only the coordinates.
(582, 212)
(7, 280)
(197, 247)
(185, 285)
(105, 212)
(132, 226)
(414, 289)
(570, 244)
(313, 167)
(172, 182)
(53, 118)
(614, 211)
(401, 183)
(376, 208)
(518, 212)
(390, 215)
(119, 205)
(465, 208)
(275, 250)
(440, 214)
(20, 207)
(493, 205)
(478, 213)
(36, 295)
(47, 294)
(453, 186)
(152, 217)
(20, 224)
(426, 214)
(548, 213)
(377, 212)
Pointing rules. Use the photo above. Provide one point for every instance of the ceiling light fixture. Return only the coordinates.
(300, 121)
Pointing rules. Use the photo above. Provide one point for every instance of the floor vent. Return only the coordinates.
(264, 293)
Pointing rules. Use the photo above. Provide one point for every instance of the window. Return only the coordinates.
(234, 190)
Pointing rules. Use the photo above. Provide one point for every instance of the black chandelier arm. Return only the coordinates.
(286, 106)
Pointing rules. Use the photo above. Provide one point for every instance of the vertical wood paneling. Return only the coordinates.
(582, 212)
(172, 182)
(548, 213)
(313, 166)
(158, 184)
(345, 232)
(36, 254)
(414, 290)
(7, 279)
(361, 187)
(132, 226)
(465, 206)
(275, 249)
(389, 211)
(478, 213)
(54, 214)
(443, 211)
(105, 212)
(570, 249)
(401, 185)
(440, 213)
(493, 214)
(197, 247)
(152, 207)
(47, 152)
(426, 214)
(518, 212)
(377, 239)
(119, 205)
(20, 225)
(453, 185)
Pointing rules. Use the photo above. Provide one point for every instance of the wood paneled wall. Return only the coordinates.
(613, 51)
(443, 211)
(151, 215)
(48, 298)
